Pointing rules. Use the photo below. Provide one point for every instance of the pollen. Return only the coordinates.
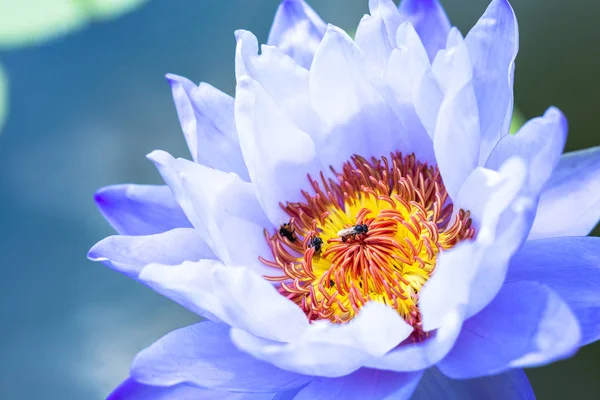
(370, 232)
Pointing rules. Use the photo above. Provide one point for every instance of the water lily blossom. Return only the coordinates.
(358, 223)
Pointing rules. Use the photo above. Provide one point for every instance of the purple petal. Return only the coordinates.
(222, 207)
(140, 209)
(571, 267)
(526, 325)
(234, 295)
(430, 20)
(297, 30)
(539, 143)
(512, 385)
(207, 120)
(493, 46)
(129, 254)
(132, 390)
(203, 355)
(364, 384)
(332, 350)
(570, 201)
(278, 154)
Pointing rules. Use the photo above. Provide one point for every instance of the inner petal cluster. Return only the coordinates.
(371, 232)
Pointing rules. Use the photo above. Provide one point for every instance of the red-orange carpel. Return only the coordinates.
(410, 220)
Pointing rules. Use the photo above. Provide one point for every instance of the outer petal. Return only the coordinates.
(364, 384)
(140, 209)
(277, 153)
(132, 390)
(297, 30)
(234, 295)
(539, 143)
(203, 355)
(493, 45)
(357, 117)
(571, 267)
(460, 272)
(207, 119)
(129, 254)
(570, 202)
(526, 325)
(331, 350)
(472, 273)
(512, 385)
(222, 207)
(430, 20)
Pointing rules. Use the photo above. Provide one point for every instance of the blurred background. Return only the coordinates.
(87, 101)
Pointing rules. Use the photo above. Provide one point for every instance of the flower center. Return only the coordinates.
(370, 234)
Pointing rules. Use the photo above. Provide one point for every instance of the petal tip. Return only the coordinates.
(159, 157)
(94, 254)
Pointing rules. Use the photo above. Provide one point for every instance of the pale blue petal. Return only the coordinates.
(526, 325)
(409, 80)
(297, 30)
(493, 45)
(427, 100)
(357, 117)
(452, 66)
(222, 207)
(140, 209)
(189, 284)
(132, 390)
(364, 384)
(570, 201)
(430, 20)
(540, 142)
(460, 281)
(571, 267)
(416, 356)
(512, 385)
(472, 273)
(203, 355)
(407, 64)
(129, 254)
(332, 350)
(235, 295)
(280, 77)
(376, 33)
(207, 119)
(278, 154)
(456, 138)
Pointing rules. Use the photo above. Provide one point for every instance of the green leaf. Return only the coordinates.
(29, 22)
(3, 97)
(517, 122)
(106, 9)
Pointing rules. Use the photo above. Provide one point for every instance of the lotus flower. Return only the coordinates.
(358, 223)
